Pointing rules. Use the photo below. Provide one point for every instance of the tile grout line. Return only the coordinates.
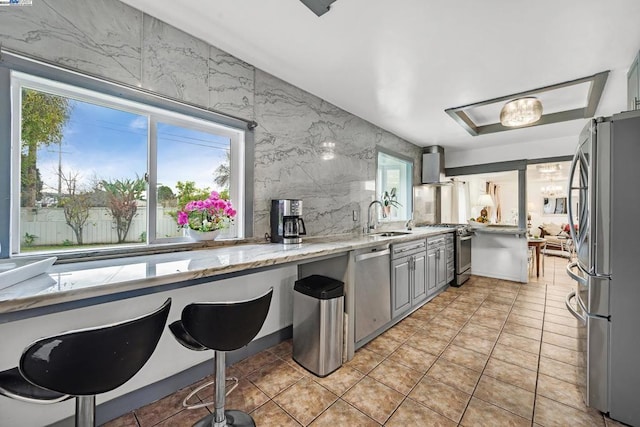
(427, 371)
(544, 314)
(487, 362)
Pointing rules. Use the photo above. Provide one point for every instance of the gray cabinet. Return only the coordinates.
(442, 267)
(400, 285)
(408, 276)
(432, 270)
(436, 264)
(451, 272)
(633, 85)
(419, 278)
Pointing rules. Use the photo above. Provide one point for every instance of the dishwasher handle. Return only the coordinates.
(372, 254)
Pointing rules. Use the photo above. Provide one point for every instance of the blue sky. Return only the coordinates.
(105, 143)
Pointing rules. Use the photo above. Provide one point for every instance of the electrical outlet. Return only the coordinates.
(355, 215)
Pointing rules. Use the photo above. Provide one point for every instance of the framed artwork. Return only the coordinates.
(554, 206)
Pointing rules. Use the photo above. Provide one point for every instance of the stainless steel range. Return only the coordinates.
(462, 251)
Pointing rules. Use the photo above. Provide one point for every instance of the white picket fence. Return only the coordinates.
(50, 228)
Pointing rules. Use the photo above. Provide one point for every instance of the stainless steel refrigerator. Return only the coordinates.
(604, 204)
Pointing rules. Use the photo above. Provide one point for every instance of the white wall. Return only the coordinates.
(516, 151)
(169, 357)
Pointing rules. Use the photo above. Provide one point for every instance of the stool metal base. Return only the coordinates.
(233, 418)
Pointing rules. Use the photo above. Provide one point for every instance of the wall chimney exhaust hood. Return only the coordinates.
(319, 7)
(433, 166)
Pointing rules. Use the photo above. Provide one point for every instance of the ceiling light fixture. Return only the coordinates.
(549, 168)
(464, 115)
(521, 112)
(552, 191)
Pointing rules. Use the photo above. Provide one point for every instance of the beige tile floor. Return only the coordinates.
(491, 353)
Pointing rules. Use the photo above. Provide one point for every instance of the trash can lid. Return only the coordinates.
(320, 287)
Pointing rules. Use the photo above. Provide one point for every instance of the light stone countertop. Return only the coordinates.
(82, 280)
(500, 229)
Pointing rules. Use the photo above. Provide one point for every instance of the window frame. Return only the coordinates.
(409, 184)
(129, 99)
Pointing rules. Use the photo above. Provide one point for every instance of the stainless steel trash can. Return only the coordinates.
(318, 312)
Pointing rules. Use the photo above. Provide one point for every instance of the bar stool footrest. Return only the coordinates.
(185, 403)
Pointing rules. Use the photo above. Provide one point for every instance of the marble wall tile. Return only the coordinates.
(111, 39)
(292, 126)
(174, 63)
(231, 84)
(100, 37)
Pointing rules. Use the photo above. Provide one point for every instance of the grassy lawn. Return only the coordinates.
(42, 248)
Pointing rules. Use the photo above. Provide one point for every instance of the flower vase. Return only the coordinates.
(200, 236)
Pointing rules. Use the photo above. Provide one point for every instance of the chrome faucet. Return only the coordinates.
(372, 225)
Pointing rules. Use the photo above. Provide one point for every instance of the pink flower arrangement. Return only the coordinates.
(210, 214)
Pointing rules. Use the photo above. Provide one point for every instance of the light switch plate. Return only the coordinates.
(355, 215)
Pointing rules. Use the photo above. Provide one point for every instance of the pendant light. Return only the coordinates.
(521, 112)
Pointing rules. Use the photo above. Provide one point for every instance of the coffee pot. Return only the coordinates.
(286, 223)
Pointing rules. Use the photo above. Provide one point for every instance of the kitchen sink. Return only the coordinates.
(392, 233)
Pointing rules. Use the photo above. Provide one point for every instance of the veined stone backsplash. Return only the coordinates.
(110, 39)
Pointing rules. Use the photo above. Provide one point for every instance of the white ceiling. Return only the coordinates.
(400, 64)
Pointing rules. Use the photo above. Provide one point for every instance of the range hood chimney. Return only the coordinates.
(433, 166)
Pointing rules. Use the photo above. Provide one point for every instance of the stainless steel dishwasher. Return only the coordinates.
(373, 291)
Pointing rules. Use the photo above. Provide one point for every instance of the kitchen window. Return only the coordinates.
(93, 171)
(394, 184)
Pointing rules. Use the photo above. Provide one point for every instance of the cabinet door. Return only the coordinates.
(432, 270)
(400, 286)
(450, 264)
(419, 277)
(442, 267)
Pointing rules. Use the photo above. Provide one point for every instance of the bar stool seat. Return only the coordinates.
(13, 385)
(85, 362)
(222, 327)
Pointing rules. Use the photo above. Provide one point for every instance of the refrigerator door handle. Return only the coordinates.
(571, 295)
(572, 172)
(574, 276)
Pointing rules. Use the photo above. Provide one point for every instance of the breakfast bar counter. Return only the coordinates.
(83, 280)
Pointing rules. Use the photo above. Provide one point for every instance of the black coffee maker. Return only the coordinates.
(286, 223)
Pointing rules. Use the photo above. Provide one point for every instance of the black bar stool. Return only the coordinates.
(84, 363)
(222, 326)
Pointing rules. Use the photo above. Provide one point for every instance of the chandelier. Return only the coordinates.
(552, 190)
(521, 112)
(549, 168)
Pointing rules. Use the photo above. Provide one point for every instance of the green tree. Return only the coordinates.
(223, 172)
(166, 196)
(43, 119)
(122, 201)
(75, 204)
(187, 191)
